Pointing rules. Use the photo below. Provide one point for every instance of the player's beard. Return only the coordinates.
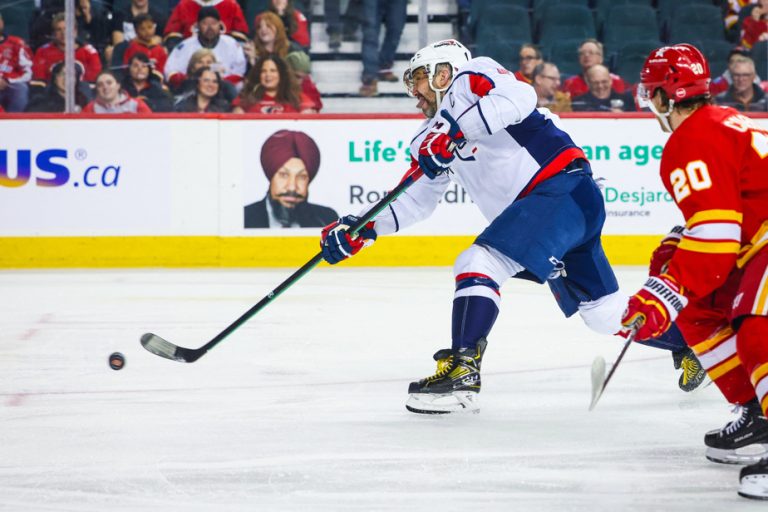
(287, 215)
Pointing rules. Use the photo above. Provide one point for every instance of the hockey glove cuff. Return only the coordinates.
(338, 244)
(653, 309)
(664, 252)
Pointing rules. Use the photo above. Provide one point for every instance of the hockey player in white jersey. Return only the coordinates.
(532, 184)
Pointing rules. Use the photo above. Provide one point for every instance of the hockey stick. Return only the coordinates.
(164, 348)
(599, 378)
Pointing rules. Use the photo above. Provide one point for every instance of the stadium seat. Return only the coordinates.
(504, 22)
(253, 7)
(161, 5)
(760, 56)
(17, 17)
(602, 7)
(692, 22)
(566, 21)
(501, 49)
(630, 23)
(565, 54)
(540, 8)
(480, 8)
(667, 7)
(631, 57)
(716, 52)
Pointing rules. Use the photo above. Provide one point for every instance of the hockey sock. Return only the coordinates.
(717, 355)
(475, 308)
(753, 352)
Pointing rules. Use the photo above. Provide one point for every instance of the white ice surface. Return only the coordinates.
(303, 407)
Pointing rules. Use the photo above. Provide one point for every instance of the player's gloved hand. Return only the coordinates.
(436, 150)
(653, 309)
(338, 244)
(663, 253)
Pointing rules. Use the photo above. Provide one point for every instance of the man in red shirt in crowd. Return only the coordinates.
(715, 282)
(51, 53)
(144, 42)
(184, 18)
(15, 71)
(590, 53)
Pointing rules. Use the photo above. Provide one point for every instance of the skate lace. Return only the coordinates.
(736, 424)
(443, 367)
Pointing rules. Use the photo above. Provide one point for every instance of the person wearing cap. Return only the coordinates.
(181, 23)
(229, 53)
(290, 161)
(301, 67)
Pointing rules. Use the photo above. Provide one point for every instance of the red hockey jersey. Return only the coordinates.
(184, 17)
(714, 166)
(49, 54)
(156, 53)
(15, 60)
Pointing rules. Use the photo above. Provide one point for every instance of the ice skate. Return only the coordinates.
(455, 385)
(753, 480)
(693, 374)
(743, 440)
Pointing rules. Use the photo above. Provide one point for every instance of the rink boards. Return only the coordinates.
(170, 191)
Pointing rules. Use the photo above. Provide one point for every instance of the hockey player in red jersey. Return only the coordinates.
(715, 285)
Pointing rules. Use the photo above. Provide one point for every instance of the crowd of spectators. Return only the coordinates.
(205, 56)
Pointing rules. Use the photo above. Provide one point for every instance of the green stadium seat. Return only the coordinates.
(602, 7)
(630, 23)
(253, 7)
(631, 56)
(717, 53)
(480, 8)
(566, 21)
(504, 22)
(565, 54)
(691, 22)
(17, 16)
(503, 50)
(540, 9)
(760, 56)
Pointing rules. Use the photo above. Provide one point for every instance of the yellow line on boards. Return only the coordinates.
(211, 251)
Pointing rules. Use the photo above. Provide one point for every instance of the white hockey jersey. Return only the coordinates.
(230, 59)
(511, 146)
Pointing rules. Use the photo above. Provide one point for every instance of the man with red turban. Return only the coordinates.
(290, 160)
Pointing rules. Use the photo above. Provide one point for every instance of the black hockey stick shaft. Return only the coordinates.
(596, 394)
(164, 348)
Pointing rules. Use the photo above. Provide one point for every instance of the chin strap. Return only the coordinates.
(663, 117)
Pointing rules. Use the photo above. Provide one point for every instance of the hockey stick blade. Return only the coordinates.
(597, 391)
(598, 377)
(164, 348)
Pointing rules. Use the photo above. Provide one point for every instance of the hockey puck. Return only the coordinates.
(116, 361)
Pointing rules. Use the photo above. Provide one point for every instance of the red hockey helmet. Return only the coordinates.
(681, 71)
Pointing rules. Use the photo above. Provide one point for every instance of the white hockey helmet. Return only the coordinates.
(448, 51)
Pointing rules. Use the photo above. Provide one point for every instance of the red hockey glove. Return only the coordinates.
(664, 252)
(338, 244)
(436, 150)
(653, 309)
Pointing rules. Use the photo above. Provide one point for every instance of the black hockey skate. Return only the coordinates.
(455, 385)
(693, 373)
(743, 440)
(753, 480)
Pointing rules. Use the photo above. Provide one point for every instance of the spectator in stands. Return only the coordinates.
(754, 28)
(229, 53)
(290, 161)
(270, 88)
(146, 42)
(546, 83)
(301, 67)
(51, 53)
(123, 26)
(187, 13)
(530, 57)
(144, 83)
(295, 22)
(744, 94)
(203, 58)
(51, 97)
(207, 96)
(270, 38)
(339, 30)
(110, 99)
(379, 60)
(92, 24)
(601, 97)
(15, 71)
(590, 54)
(723, 82)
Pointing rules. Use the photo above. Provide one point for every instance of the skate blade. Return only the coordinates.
(754, 487)
(445, 403)
(745, 455)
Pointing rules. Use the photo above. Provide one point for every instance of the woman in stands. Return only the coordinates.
(271, 88)
(110, 98)
(270, 38)
(207, 96)
(295, 22)
(202, 58)
(51, 97)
